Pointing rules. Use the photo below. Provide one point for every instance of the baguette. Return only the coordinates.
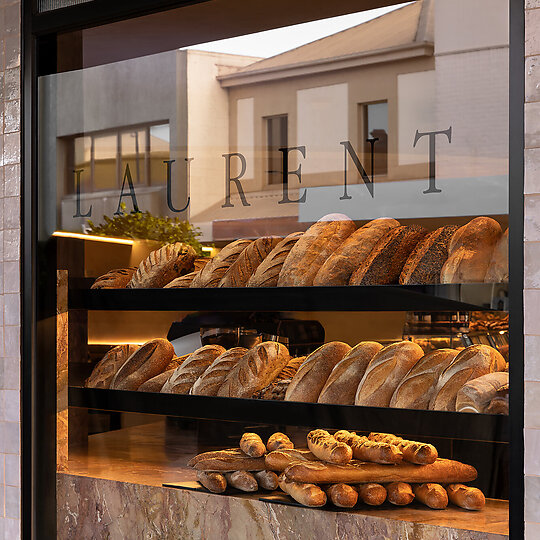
(231, 453)
(312, 375)
(399, 493)
(337, 270)
(466, 497)
(279, 460)
(342, 495)
(313, 249)
(279, 441)
(384, 373)
(214, 482)
(242, 480)
(267, 273)
(155, 384)
(145, 363)
(183, 378)
(252, 445)
(413, 452)
(476, 395)
(371, 493)
(305, 494)
(471, 363)
(357, 472)
(327, 448)
(114, 279)
(105, 370)
(418, 386)
(432, 495)
(365, 450)
(497, 271)
(210, 381)
(267, 480)
(343, 381)
(230, 464)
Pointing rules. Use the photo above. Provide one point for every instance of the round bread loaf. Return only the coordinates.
(106, 368)
(114, 279)
(497, 271)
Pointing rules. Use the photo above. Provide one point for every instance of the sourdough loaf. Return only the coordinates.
(114, 279)
(342, 383)
(418, 386)
(385, 372)
(155, 384)
(106, 368)
(255, 370)
(267, 273)
(313, 249)
(162, 266)
(311, 377)
(425, 263)
(289, 371)
(497, 271)
(337, 270)
(182, 282)
(476, 395)
(385, 261)
(471, 363)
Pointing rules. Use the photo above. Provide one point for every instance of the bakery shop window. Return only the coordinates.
(276, 136)
(375, 130)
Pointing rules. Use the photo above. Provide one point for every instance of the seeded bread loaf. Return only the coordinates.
(425, 263)
(313, 249)
(255, 370)
(385, 261)
(476, 395)
(114, 279)
(106, 368)
(337, 270)
(248, 261)
(497, 271)
(275, 391)
(267, 273)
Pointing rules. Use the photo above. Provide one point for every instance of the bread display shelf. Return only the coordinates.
(442, 297)
(479, 427)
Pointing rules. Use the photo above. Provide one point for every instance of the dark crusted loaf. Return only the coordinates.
(114, 279)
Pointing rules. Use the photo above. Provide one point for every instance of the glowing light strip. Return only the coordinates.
(80, 236)
(207, 249)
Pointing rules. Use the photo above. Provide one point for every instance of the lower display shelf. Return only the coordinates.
(406, 422)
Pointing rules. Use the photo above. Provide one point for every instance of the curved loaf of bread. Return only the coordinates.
(497, 271)
(182, 282)
(267, 273)
(476, 395)
(114, 279)
(313, 249)
(337, 270)
(327, 448)
(255, 370)
(471, 363)
(106, 368)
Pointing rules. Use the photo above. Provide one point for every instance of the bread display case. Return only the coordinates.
(279, 279)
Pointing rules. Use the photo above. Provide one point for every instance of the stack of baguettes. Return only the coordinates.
(332, 252)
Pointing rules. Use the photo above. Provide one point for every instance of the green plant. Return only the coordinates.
(145, 226)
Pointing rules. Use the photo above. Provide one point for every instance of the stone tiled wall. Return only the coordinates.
(10, 233)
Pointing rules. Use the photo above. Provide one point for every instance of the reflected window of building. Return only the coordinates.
(104, 157)
(276, 138)
(375, 135)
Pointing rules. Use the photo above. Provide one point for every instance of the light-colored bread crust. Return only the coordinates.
(289, 371)
(232, 453)
(105, 370)
(255, 370)
(327, 448)
(471, 363)
(337, 270)
(182, 282)
(497, 271)
(466, 497)
(304, 493)
(384, 373)
(432, 495)
(371, 493)
(252, 445)
(230, 464)
(399, 493)
(365, 450)
(342, 495)
(214, 482)
(279, 460)
(425, 263)
(114, 279)
(418, 386)
(476, 395)
(162, 266)
(242, 480)
(267, 480)
(313, 249)
(413, 452)
(279, 441)
(183, 378)
(312, 375)
(342, 383)
(267, 273)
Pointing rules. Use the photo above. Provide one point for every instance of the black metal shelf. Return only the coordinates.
(463, 297)
(478, 427)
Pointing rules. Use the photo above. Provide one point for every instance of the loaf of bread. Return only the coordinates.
(182, 282)
(289, 371)
(114, 279)
(466, 497)
(499, 404)
(305, 494)
(385, 262)
(267, 273)
(313, 249)
(230, 464)
(155, 384)
(399, 493)
(252, 445)
(413, 452)
(357, 472)
(213, 272)
(325, 447)
(255, 370)
(176, 361)
(371, 493)
(106, 368)
(214, 482)
(248, 261)
(162, 266)
(210, 381)
(342, 495)
(337, 270)
(471, 363)
(267, 480)
(231, 453)
(365, 450)
(312, 375)
(470, 251)
(418, 386)
(242, 480)
(425, 263)
(384, 373)
(432, 495)
(342, 383)
(497, 271)
(279, 441)
(275, 391)
(200, 262)
(279, 460)
(476, 395)
(146, 362)
(183, 378)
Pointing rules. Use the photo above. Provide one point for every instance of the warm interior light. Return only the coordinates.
(116, 342)
(65, 234)
(207, 249)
